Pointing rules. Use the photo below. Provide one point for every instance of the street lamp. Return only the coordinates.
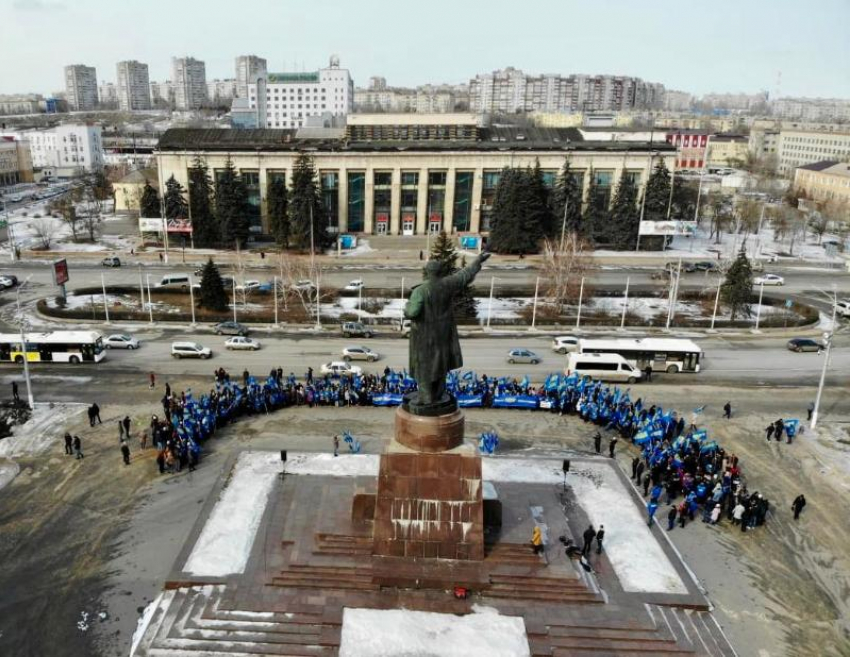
(827, 338)
(22, 321)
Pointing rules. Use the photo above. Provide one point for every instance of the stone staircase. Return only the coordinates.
(693, 627)
(193, 621)
(514, 554)
(343, 545)
(325, 577)
(611, 637)
(541, 589)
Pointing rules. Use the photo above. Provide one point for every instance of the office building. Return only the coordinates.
(824, 181)
(407, 174)
(803, 146)
(727, 150)
(21, 104)
(286, 100)
(424, 99)
(81, 87)
(249, 69)
(15, 161)
(134, 91)
(691, 149)
(189, 77)
(510, 91)
(67, 148)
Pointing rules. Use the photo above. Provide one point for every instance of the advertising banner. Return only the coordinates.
(150, 225)
(179, 225)
(60, 272)
(667, 227)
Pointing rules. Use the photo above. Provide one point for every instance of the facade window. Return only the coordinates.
(462, 211)
(382, 201)
(488, 193)
(252, 185)
(436, 200)
(273, 176)
(550, 177)
(409, 201)
(633, 176)
(602, 197)
(330, 198)
(356, 200)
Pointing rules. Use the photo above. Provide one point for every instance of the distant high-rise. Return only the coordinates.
(189, 77)
(249, 68)
(81, 87)
(134, 92)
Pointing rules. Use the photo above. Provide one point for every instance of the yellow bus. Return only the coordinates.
(55, 347)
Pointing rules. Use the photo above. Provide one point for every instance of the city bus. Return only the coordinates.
(669, 355)
(55, 347)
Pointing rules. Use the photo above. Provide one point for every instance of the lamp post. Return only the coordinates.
(758, 309)
(827, 338)
(192, 297)
(580, 297)
(625, 304)
(105, 304)
(233, 288)
(275, 301)
(490, 302)
(534, 307)
(150, 303)
(716, 301)
(22, 319)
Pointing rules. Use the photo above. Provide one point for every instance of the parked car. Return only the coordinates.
(803, 344)
(356, 330)
(190, 350)
(304, 285)
(249, 286)
(355, 285)
(7, 282)
(120, 341)
(241, 342)
(843, 307)
(111, 261)
(175, 281)
(359, 353)
(705, 265)
(523, 356)
(769, 279)
(565, 343)
(404, 327)
(230, 328)
(340, 367)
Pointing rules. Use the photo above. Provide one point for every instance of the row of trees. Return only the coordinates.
(220, 212)
(526, 211)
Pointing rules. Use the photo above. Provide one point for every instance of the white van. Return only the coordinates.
(175, 280)
(604, 367)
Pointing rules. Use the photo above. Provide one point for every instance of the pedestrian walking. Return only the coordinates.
(125, 452)
(671, 518)
(126, 423)
(69, 444)
(778, 428)
(635, 462)
(536, 540)
(768, 431)
(336, 445)
(715, 514)
(727, 410)
(797, 506)
(95, 409)
(160, 461)
(600, 535)
(152, 378)
(738, 513)
(143, 441)
(651, 508)
(78, 447)
(611, 446)
(15, 397)
(597, 442)
(589, 535)
(647, 373)
(639, 474)
(810, 409)
(646, 481)
(167, 390)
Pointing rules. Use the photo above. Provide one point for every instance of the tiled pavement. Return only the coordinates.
(309, 562)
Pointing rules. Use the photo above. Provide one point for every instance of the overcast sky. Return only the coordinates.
(720, 45)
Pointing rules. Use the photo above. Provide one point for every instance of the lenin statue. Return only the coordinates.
(434, 344)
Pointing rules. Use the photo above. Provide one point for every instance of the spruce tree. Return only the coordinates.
(279, 212)
(149, 203)
(305, 205)
(657, 193)
(518, 214)
(443, 251)
(206, 230)
(213, 294)
(544, 196)
(621, 230)
(567, 196)
(738, 286)
(175, 202)
(595, 216)
(231, 206)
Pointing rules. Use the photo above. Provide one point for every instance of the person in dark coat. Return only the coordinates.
(15, 396)
(69, 444)
(126, 423)
(125, 452)
(160, 461)
(647, 479)
(611, 446)
(588, 536)
(635, 462)
(727, 410)
(600, 535)
(95, 409)
(640, 468)
(671, 517)
(768, 432)
(597, 442)
(797, 506)
(78, 447)
(778, 428)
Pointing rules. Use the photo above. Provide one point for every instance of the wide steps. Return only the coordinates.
(599, 649)
(343, 545)
(513, 553)
(692, 627)
(323, 584)
(584, 598)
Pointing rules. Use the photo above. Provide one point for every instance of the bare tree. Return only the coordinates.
(299, 281)
(67, 209)
(45, 230)
(818, 224)
(748, 213)
(564, 267)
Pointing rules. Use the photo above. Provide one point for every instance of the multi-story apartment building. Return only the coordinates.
(107, 94)
(678, 101)
(408, 174)
(81, 87)
(221, 92)
(68, 147)
(286, 100)
(510, 90)
(15, 161)
(802, 146)
(691, 149)
(424, 99)
(735, 101)
(21, 104)
(189, 77)
(249, 69)
(824, 181)
(812, 109)
(162, 94)
(134, 91)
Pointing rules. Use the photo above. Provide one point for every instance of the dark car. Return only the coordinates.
(111, 261)
(231, 328)
(803, 344)
(693, 267)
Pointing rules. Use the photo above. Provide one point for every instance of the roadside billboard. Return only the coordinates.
(150, 225)
(668, 227)
(179, 225)
(60, 272)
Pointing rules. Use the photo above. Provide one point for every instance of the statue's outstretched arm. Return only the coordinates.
(466, 275)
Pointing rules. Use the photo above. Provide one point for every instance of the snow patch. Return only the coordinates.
(142, 624)
(404, 633)
(46, 425)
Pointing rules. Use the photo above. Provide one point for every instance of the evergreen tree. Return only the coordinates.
(738, 286)
(231, 206)
(657, 193)
(443, 250)
(544, 195)
(175, 203)
(305, 206)
(567, 197)
(518, 214)
(595, 215)
(213, 294)
(278, 211)
(206, 230)
(149, 203)
(621, 229)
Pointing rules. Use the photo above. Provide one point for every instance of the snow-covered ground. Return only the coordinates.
(45, 427)
(404, 633)
(225, 542)
(637, 558)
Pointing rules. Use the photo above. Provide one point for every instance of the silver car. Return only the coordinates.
(360, 353)
(523, 356)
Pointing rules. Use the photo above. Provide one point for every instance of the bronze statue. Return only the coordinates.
(434, 344)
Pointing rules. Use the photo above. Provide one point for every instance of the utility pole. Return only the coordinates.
(490, 303)
(827, 337)
(625, 304)
(30, 399)
(580, 297)
(534, 308)
(105, 303)
(192, 297)
(758, 310)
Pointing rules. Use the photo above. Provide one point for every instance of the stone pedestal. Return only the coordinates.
(429, 501)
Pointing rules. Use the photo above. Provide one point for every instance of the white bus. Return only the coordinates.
(55, 347)
(669, 355)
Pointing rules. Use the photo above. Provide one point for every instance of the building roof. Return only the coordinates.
(140, 177)
(496, 138)
(831, 167)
